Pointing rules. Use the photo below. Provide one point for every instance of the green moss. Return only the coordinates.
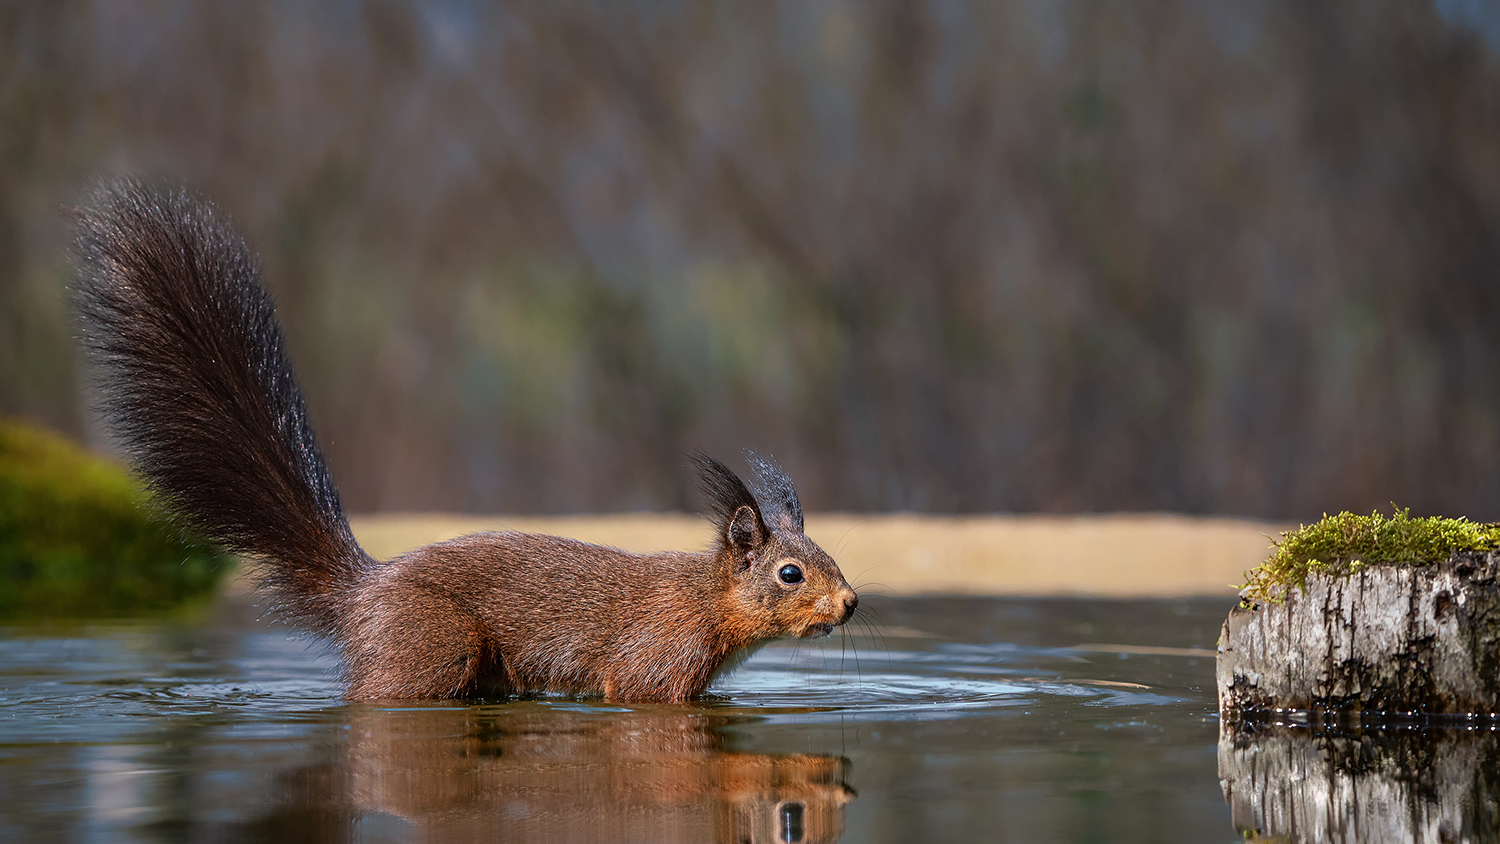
(79, 539)
(1342, 545)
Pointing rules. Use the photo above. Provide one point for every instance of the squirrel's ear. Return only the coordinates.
(743, 530)
(774, 488)
(734, 508)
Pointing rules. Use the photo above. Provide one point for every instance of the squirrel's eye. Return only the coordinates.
(790, 574)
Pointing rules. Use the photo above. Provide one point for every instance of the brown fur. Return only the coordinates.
(198, 386)
(516, 612)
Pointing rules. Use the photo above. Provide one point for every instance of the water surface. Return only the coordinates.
(959, 718)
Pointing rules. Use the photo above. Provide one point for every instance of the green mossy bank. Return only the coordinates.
(78, 539)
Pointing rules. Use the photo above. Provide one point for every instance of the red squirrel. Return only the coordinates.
(196, 384)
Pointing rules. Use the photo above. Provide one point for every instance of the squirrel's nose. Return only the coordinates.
(850, 604)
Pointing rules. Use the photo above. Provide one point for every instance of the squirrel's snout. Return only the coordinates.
(851, 603)
(835, 608)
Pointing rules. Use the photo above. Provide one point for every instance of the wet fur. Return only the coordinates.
(197, 385)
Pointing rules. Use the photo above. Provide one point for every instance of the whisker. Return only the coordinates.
(870, 610)
(863, 613)
(875, 611)
(822, 659)
(870, 631)
(859, 674)
(849, 643)
(843, 644)
(845, 537)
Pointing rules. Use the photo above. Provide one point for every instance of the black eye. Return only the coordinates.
(790, 574)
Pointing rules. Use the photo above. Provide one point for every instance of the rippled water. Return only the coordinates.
(1001, 719)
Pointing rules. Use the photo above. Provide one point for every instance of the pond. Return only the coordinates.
(950, 719)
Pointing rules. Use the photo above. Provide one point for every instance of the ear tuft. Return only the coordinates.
(773, 487)
(733, 507)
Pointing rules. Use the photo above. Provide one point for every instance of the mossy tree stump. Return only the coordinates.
(1368, 619)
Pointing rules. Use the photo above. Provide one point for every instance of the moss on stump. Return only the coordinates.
(78, 538)
(1338, 546)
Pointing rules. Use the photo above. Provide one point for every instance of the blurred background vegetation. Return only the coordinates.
(1234, 258)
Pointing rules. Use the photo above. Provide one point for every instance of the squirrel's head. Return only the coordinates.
(782, 583)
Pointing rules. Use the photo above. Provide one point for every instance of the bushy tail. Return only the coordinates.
(197, 386)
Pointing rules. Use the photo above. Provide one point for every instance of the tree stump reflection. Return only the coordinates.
(1299, 784)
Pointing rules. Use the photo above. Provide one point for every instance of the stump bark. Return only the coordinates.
(1388, 643)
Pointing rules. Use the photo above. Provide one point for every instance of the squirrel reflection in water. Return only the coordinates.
(532, 772)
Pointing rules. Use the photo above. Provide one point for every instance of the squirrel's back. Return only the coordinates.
(196, 384)
(560, 614)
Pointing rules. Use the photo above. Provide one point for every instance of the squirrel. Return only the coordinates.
(196, 384)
